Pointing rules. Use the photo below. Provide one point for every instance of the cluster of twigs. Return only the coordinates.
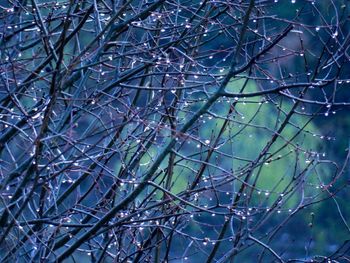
(158, 131)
